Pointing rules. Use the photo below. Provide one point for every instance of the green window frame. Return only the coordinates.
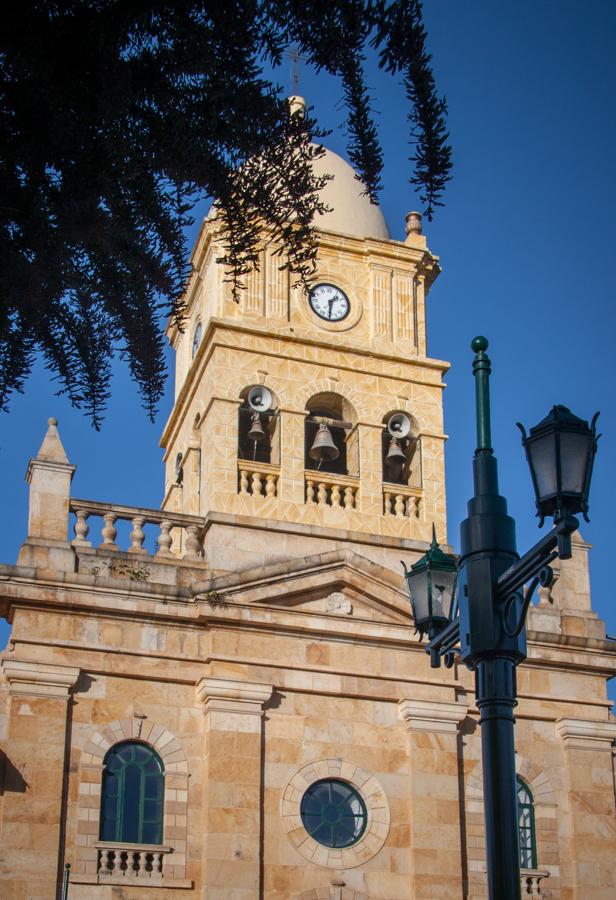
(526, 825)
(132, 795)
(333, 813)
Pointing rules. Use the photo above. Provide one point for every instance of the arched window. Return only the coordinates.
(132, 797)
(526, 826)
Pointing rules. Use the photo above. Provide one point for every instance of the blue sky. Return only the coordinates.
(526, 241)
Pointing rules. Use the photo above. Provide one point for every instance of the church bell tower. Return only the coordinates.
(303, 418)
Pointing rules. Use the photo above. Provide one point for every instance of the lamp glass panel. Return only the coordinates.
(443, 585)
(418, 587)
(542, 453)
(574, 449)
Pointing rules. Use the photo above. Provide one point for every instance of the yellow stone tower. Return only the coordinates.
(346, 357)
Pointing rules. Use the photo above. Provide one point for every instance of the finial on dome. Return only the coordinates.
(297, 105)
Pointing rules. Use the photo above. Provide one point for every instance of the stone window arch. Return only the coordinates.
(374, 798)
(267, 424)
(156, 864)
(545, 808)
(132, 793)
(404, 469)
(334, 412)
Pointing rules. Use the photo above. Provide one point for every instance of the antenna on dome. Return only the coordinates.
(295, 72)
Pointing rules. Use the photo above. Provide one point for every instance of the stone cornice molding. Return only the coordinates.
(229, 695)
(39, 679)
(432, 715)
(584, 734)
(51, 465)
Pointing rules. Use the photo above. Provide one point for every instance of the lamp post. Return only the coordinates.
(486, 624)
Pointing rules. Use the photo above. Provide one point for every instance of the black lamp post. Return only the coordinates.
(486, 625)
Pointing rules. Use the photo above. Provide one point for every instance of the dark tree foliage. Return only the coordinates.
(117, 116)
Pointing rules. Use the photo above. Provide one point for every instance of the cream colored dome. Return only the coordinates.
(351, 213)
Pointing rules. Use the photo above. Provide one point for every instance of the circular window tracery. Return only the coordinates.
(333, 813)
(372, 817)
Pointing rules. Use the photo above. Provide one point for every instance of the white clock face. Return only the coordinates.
(329, 302)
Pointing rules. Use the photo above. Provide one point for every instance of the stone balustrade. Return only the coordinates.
(128, 861)
(531, 882)
(180, 535)
(326, 489)
(401, 500)
(258, 479)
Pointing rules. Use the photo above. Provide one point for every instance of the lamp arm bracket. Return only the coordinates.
(556, 543)
(444, 645)
(545, 579)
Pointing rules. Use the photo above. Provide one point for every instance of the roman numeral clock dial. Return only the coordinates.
(329, 302)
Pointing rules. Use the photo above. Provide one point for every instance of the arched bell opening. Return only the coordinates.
(401, 449)
(258, 426)
(330, 438)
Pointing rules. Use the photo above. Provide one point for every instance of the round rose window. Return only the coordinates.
(333, 813)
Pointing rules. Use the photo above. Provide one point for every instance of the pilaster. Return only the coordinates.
(370, 454)
(436, 822)
(292, 488)
(588, 833)
(37, 769)
(233, 787)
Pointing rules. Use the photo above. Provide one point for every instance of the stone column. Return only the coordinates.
(588, 815)
(371, 469)
(36, 773)
(292, 487)
(233, 787)
(435, 813)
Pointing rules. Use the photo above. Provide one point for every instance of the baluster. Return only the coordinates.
(310, 491)
(157, 863)
(399, 505)
(164, 539)
(335, 496)
(322, 494)
(413, 507)
(256, 484)
(243, 481)
(270, 486)
(103, 862)
(137, 536)
(109, 531)
(136, 862)
(82, 529)
(349, 498)
(193, 543)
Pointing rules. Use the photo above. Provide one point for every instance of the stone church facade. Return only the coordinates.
(223, 698)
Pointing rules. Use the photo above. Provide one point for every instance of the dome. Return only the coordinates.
(351, 212)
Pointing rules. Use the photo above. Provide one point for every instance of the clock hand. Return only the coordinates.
(330, 303)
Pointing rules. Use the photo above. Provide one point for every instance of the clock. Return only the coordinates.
(329, 302)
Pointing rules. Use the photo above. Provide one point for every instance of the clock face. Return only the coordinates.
(329, 302)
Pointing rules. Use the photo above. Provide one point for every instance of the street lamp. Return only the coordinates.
(431, 583)
(486, 626)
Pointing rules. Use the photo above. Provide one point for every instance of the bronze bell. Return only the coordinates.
(323, 446)
(256, 432)
(395, 454)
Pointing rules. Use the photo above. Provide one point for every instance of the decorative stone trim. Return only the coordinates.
(229, 695)
(175, 808)
(432, 715)
(377, 807)
(582, 734)
(35, 679)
